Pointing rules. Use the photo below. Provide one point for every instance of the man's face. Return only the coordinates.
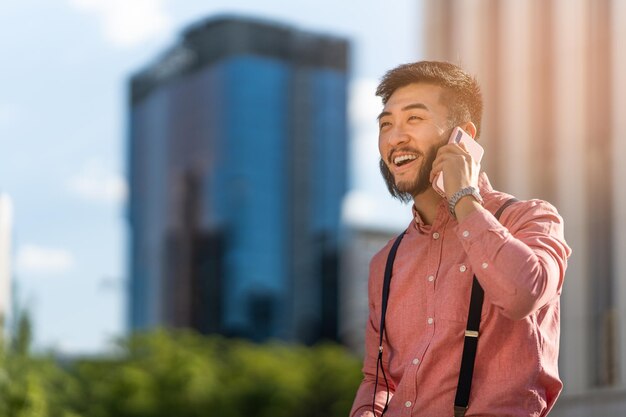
(412, 127)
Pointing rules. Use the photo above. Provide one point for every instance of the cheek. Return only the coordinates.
(382, 145)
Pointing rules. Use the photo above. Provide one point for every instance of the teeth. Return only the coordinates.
(402, 158)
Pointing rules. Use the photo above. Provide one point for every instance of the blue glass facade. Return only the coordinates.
(238, 169)
(254, 182)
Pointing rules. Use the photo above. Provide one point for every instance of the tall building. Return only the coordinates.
(237, 166)
(6, 256)
(554, 82)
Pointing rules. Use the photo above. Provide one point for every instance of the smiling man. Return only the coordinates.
(463, 305)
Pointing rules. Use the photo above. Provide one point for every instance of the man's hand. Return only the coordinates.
(460, 170)
(458, 167)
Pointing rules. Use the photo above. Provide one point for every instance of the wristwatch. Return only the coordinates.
(473, 191)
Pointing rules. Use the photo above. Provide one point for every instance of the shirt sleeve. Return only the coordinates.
(521, 267)
(362, 406)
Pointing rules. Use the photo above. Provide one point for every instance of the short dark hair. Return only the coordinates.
(461, 92)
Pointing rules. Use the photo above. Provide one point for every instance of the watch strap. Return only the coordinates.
(463, 192)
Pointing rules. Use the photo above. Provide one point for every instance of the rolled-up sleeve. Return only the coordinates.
(520, 267)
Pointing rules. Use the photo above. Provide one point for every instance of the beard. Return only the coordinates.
(407, 190)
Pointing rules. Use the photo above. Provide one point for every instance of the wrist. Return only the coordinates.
(464, 201)
(466, 206)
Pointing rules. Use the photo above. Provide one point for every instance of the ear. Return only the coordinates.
(470, 128)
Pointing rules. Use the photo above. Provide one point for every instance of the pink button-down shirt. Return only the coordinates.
(521, 269)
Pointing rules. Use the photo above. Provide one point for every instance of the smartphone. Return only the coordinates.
(460, 136)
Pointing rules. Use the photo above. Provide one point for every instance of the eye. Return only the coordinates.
(414, 117)
(384, 124)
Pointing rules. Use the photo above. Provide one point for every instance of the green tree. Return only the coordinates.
(31, 386)
(179, 373)
(187, 375)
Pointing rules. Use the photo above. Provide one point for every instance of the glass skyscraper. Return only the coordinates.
(237, 170)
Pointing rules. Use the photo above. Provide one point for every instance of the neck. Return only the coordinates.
(426, 205)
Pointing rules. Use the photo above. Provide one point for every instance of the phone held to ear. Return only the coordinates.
(460, 136)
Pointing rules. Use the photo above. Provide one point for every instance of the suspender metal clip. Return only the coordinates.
(471, 333)
(459, 411)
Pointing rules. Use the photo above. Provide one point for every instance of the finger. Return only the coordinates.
(436, 169)
(439, 162)
(457, 150)
(447, 157)
(438, 166)
(463, 148)
(451, 148)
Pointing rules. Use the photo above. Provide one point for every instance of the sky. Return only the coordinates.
(64, 75)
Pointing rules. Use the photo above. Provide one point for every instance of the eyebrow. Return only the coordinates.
(412, 106)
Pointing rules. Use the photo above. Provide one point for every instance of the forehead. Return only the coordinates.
(427, 94)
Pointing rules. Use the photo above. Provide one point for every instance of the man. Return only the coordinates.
(518, 260)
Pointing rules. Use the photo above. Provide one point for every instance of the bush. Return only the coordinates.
(183, 374)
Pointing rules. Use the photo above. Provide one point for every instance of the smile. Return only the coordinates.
(402, 159)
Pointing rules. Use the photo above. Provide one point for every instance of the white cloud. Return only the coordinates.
(96, 183)
(128, 22)
(33, 259)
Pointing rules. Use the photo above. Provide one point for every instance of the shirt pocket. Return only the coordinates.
(453, 291)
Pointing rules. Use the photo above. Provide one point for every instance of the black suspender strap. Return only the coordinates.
(386, 284)
(383, 312)
(503, 207)
(470, 343)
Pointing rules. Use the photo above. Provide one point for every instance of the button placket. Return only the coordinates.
(433, 265)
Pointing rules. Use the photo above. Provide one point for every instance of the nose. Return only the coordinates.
(397, 136)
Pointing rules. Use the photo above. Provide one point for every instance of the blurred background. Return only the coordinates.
(211, 169)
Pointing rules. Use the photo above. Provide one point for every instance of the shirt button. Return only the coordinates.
(435, 235)
(463, 268)
(485, 265)
(416, 361)
(465, 233)
(430, 320)
(431, 278)
(408, 404)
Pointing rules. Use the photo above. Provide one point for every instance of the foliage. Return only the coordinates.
(180, 373)
(31, 386)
